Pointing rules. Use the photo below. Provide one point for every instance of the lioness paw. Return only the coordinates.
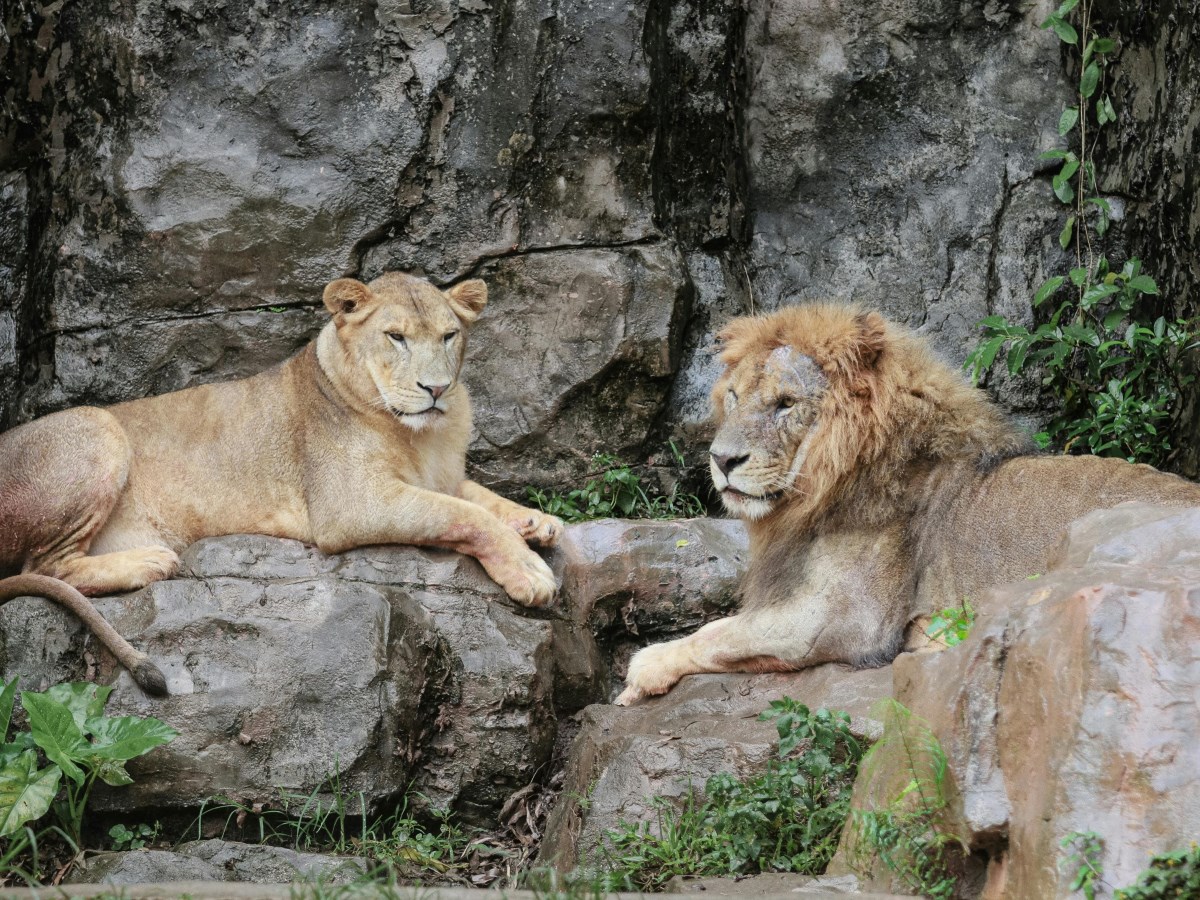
(537, 528)
(527, 579)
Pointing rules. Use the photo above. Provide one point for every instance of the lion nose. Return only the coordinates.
(728, 462)
(435, 390)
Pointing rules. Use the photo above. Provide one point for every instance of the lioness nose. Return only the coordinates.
(435, 390)
(728, 462)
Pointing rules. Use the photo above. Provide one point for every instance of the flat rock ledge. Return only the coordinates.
(217, 860)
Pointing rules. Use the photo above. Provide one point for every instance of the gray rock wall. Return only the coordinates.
(178, 181)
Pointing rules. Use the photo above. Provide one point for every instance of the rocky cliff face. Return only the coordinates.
(178, 181)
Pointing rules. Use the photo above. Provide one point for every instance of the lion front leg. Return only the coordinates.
(412, 515)
(534, 526)
(763, 641)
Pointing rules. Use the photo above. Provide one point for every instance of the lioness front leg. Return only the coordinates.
(534, 526)
(412, 515)
(763, 641)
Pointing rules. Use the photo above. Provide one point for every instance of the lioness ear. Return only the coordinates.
(346, 295)
(468, 299)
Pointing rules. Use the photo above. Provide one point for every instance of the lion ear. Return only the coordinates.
(346, 295)
(870, 340)
(468, 299)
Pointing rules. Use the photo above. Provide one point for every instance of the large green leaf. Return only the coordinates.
(7, 696)
(113, 773)
(25, 793)
(84, 699)
(1068, 120)
(1048, 287)
(126, 737)
(1143, 284)
(55, 731)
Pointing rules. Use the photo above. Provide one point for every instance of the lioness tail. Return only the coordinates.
(144, 672)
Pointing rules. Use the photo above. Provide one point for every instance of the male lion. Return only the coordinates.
(876, 486)
(360, 438)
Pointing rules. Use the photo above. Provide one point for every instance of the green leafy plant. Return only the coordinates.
(409, 847)
(80, 744)
(1081, 861)
(329, 819)
(952, 625)
(787, 819)
(612, 490)
(1170, 875)
(1104, 355)
(124, 838)
(904, 826)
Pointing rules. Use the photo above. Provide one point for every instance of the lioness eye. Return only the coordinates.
(787, 403)
(449, 336)
(397, 338)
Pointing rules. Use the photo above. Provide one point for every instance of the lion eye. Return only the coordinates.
(449, 336)
(786, 403)
(396, 338)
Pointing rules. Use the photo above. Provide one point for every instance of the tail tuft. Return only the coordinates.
(150, 679)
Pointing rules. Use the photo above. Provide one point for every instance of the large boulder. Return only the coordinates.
(668, 746)
(1071, 706)
(370, 672)
(294, 671)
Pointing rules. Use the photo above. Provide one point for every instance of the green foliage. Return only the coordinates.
(1082, 861)
(135, 838)
(1108, 359)
(614, 490)
(906, 773)
(1169, 875)
(409, 848)
(330, 820)
(788, 819)
(952, 624)
(80, 745)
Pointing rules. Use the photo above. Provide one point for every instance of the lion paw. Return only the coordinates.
(537, 528)
(526, 578)
(651, 672)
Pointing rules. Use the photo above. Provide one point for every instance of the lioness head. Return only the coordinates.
(402, 342)
(787, 377)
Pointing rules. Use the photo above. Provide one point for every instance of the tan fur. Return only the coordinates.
(358, 439)
(877, 486)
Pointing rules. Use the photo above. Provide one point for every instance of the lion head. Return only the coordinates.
(397, 344)
(820, 398)
(787, 376)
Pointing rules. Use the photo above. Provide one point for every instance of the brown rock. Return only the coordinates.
(1072, 706)
(707, 724)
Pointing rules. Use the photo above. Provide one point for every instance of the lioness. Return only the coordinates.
(360, 438)
(877, 486)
